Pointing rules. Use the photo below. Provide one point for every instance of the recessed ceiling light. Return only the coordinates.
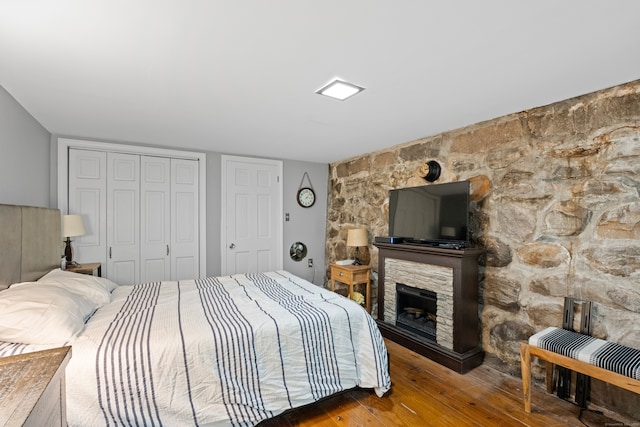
(339, 89)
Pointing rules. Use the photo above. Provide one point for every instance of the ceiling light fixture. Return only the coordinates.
(339, 89)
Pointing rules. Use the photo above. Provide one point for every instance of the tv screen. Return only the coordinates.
(436, 213)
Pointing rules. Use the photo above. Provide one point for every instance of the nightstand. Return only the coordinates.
(353, 275)
(32, 388)
(91, 268)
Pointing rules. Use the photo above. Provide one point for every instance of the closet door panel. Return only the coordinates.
(155, 186)
(123, 218)
(124, 272)
(88, 197)
(184, 220)
(185, 266)
(124, 204)
(89, 203)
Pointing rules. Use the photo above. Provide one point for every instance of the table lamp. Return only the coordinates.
(357, 237)
(72, 226)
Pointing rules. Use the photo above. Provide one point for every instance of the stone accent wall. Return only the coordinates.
(433, 278)
(555, 203)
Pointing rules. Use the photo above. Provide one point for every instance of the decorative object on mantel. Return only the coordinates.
(357, 237)
(72, 226)
(430, 171)
(306, 196)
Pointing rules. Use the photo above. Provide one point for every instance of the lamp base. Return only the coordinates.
(68, 252)
(356, 257)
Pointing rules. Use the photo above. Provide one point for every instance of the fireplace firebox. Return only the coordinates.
(416, 310)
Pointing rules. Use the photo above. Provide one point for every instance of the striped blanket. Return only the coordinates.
(220, 351)
(604, 354)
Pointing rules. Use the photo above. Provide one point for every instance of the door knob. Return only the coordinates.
(231, 246)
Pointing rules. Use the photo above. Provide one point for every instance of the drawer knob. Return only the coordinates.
(341, 273)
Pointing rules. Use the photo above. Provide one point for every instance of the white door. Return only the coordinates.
(155, 218)
(123, 218)
(88, 197)
(251, 215)
(185, 239)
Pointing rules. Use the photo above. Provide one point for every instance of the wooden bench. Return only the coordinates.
(579, 358)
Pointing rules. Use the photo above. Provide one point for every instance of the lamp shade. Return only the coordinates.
(72, 226)
(357, 237)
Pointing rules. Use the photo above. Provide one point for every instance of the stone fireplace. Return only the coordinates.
(442, 286)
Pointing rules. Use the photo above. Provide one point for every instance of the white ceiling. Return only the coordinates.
(239, 76)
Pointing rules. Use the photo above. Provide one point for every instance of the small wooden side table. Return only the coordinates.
(32, 391)
(353, 275)
(90, 268)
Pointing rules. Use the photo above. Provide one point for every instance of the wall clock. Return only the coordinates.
(306, 196)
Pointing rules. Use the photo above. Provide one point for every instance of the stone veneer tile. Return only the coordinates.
(433, 278)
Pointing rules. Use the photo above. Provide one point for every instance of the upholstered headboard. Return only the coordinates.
(30, 243)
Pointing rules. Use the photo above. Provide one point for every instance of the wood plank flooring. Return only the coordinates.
(424, 393)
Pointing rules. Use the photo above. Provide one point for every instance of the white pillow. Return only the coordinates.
(34, 313)
(97, 289)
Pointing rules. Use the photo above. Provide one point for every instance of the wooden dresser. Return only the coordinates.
(32, 388)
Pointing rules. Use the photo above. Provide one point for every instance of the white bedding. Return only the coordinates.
(230, 350)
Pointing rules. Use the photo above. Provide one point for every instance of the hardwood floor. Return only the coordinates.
(424, 393)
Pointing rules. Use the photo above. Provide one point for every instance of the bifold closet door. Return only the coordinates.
(141, 214)
(123, 218)
(88, 197)
(155, 218)
(185, 239)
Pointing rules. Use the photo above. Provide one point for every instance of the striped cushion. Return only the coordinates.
(604, 354)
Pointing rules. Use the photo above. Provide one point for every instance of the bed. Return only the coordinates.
(231, 350)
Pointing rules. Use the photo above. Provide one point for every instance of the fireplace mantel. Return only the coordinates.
(465, 353)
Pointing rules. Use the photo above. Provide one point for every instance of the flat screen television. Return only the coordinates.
(436, 214)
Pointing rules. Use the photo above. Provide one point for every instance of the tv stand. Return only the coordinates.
(464, 352)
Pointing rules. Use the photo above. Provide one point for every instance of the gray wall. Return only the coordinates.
(24, 156)
(306, 225)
